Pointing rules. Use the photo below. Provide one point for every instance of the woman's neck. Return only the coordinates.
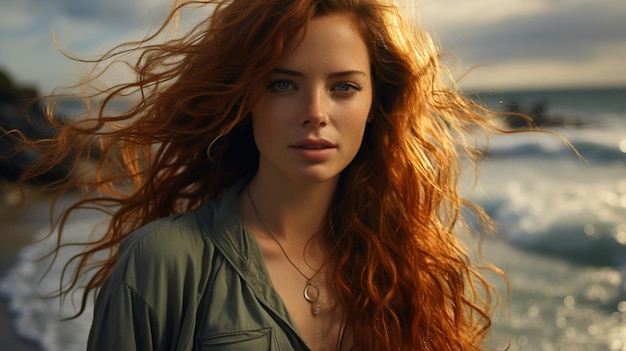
(293, 212)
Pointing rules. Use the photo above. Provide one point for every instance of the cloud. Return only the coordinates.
(105, 12)
(541, 39)
(450, 14)
(573, 33)
(83, 28)
(521, 42)
(605, 71)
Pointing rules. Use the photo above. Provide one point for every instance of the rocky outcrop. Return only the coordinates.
(20, 111)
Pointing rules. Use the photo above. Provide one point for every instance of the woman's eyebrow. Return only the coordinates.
(347, 73)
(290, 72)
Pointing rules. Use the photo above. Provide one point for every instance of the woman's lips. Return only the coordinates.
(314, 150)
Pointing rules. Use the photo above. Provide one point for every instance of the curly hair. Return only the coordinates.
(402, 274)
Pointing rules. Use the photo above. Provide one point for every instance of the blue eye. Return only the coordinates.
(343, 87)
(346, 87)
(281, 85)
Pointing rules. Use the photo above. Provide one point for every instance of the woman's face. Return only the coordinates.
(310, 119)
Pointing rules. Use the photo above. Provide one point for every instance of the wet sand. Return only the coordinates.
(17, 229)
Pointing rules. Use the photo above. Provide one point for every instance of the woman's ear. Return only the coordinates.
(370, 117)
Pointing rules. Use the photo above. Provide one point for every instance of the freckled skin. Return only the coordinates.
(320, 93)
(308, 126)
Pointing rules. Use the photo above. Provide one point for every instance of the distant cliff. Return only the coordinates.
(20, 111)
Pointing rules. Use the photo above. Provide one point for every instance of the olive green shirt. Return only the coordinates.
(195, 281)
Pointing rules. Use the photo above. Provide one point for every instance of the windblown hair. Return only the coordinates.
(402, 275)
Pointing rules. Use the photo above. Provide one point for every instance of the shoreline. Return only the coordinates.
(18, 228)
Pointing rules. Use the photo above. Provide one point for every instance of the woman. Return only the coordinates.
(288, 180)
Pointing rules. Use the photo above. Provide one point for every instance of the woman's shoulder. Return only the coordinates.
(170, 251)
(192, 234)
(165, 234)
(186, 242)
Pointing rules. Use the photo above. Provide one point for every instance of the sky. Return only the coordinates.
(507, 44)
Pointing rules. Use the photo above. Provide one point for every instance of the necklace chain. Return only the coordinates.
(311, 292)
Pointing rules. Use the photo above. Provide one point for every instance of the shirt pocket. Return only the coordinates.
(238, 341)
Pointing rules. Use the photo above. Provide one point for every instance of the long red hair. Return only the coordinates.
(404, 278)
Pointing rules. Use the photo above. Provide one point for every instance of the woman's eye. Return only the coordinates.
(281, 85)
(346, 87)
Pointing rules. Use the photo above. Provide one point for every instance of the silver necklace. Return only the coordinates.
(311, 292)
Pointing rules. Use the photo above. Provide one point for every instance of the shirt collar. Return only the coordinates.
(226, 230)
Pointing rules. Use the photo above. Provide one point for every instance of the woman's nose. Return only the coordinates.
(316, 111)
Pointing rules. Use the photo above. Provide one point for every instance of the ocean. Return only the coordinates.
(561, 232)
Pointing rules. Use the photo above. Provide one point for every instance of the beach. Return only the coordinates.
(17, 229)
(560, 235)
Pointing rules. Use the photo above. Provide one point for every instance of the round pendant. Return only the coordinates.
(311, 292)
